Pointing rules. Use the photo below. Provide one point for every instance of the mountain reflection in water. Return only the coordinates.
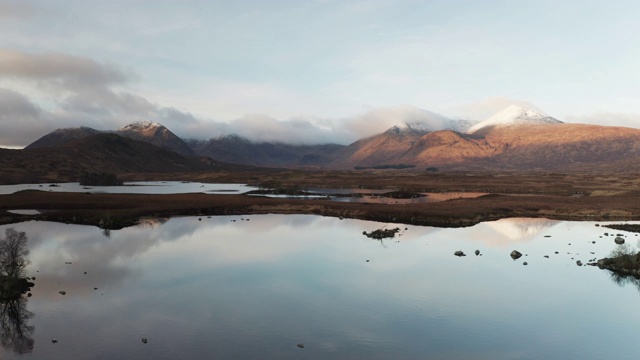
(233, 287)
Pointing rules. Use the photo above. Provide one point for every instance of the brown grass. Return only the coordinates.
(547, 195)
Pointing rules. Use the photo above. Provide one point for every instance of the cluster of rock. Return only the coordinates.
(381, 233)
(460, 253)
(628, 264)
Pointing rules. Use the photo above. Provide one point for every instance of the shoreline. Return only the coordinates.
(115, 211)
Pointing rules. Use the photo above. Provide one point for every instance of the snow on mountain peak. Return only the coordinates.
(515, 115)
(141, 126)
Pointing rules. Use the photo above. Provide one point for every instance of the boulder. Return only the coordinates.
(579, 263)
(477, 252)
(618, 240)
(515, 254)
(459, 253)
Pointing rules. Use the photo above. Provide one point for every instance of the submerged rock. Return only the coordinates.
(515, 254)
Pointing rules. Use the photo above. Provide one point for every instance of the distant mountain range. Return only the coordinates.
(515, 139)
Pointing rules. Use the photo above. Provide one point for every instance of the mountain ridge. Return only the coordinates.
(514, 139)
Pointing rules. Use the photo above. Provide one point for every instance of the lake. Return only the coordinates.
(135, 187)
(254, 287)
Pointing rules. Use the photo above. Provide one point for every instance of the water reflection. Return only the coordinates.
(622, 280)
(235, 287)
(15, 333)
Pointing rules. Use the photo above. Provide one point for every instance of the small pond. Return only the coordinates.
(254, 287)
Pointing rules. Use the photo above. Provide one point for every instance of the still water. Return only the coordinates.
(135, 187)
(253, 287)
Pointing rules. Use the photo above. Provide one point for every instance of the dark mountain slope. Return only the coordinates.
(62, 136)
(109, 153)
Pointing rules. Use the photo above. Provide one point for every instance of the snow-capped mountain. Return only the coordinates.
(514, 115)
(411, 117)
(143, 127)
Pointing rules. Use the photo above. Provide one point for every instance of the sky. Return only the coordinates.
(311, 71)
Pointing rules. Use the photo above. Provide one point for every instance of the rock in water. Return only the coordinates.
(62, 292)
(619, 240)
(477, 252)
(515, 254)
(579, 263)
(144, 340)
(459, 253)
(301, 346)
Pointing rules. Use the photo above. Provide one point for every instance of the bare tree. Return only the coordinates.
(13, 253)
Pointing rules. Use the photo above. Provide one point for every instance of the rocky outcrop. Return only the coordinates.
(624, 264)
(381, 233)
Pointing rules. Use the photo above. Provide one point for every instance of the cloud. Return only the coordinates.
(75, 91)
(296, 130)
(484, 109)
(15, 10)
(19, 117)
(377, 120)
(313, 130)
(69, 72)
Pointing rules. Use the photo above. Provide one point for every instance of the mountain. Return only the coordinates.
(62, 136)
(515, 139)
(404, 116)
(382, 149)
(238, 150)
(447, 148)
(156, 134)
(147, 131)
(563, 147)
(411, 123)
(513, 116)
(109, 153)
